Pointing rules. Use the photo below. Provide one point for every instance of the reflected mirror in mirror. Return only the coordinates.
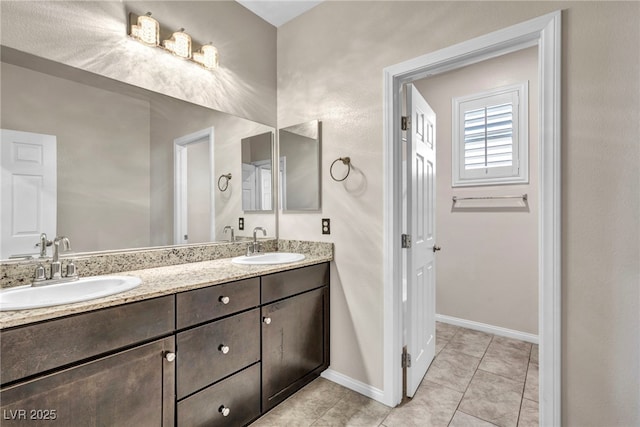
(300, 148)
(257, 176)
(114, 152)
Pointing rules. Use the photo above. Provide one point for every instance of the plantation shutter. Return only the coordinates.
(488, 137)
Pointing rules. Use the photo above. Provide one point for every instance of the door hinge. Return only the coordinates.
(405, 122)
(406, 359)
(406, 241)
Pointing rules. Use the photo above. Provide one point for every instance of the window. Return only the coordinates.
(490, 137)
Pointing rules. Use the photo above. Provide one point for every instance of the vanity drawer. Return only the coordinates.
(202, 305)
(239, 394)
(201, 359)
(281, 285)
(32, 349)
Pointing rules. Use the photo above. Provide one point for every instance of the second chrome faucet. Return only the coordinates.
(255, 247)
(41, 279)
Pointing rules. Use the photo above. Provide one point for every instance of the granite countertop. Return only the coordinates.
(157, 282)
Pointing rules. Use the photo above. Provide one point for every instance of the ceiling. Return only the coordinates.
(277, 12)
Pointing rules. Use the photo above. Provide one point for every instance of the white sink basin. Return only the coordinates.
(268, 258)
(84, 289)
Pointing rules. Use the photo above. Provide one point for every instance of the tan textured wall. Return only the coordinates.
(487, 271)
(92, 35)
(330, 63)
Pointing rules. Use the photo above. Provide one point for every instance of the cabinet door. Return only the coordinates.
(131, 388)
(294, 344)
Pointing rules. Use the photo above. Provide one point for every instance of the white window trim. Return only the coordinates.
(520, 174)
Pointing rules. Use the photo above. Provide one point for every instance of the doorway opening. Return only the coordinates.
(194, 202)
(543, 32)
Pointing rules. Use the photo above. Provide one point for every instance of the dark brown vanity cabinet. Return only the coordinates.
(295, 331)
(92, 369)
(221, 355)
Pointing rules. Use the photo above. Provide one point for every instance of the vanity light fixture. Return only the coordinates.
(146, 30)
(207, 57)
(179, 44)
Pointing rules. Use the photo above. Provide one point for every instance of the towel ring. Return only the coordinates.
(345, 161)
(227, 178)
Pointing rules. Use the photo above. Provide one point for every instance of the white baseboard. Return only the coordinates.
(355, 385)
(490, 329)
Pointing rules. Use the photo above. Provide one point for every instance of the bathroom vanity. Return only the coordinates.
(219, 353)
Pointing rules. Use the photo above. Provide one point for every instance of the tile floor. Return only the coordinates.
(476, 379)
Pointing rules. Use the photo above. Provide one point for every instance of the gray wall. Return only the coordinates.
(330, 64)
(92, 36)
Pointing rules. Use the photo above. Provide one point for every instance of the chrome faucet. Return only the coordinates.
(56, 266)
(228, 227)
(44, 243)
(255, 247)
(40, 278)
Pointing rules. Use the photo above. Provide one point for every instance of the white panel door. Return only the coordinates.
(28, 191)
(248, 187)
(420, 303)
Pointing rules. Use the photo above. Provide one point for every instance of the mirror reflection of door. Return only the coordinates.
(257, 176)
(28, 187)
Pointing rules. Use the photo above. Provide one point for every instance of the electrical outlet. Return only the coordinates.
(240, 223)
(326, 226)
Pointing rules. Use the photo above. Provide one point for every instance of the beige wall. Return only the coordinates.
(330, 64)
(92, 35)
(102, 169)
(487, 271)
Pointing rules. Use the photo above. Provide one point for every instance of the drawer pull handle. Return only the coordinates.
(224, 348)
(224, 411)
(266, 320)
(170, 356)
(224, 300)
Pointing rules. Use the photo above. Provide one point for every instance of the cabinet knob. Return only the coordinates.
(224, 348)
(224, 300)
(170, 356)
(224, 411)
(266, 320)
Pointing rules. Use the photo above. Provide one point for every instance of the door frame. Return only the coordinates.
(544, 32)
(180, 183)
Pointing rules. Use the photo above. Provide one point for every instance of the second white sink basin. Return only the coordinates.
(84, 289)
(269, 258)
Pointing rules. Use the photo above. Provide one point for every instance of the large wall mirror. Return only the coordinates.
(115, 148)
(299, 164)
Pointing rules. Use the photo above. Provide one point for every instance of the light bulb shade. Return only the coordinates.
(207, 57)
(147, 30)
(179, 44)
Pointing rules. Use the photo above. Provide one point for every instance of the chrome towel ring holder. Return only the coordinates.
(227, 178)
(345, 161)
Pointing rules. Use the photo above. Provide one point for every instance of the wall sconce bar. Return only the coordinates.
(147, 31)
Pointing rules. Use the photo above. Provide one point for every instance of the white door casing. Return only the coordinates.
(28, 186)
(544, 32)
(180, 199)
(420, 304)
